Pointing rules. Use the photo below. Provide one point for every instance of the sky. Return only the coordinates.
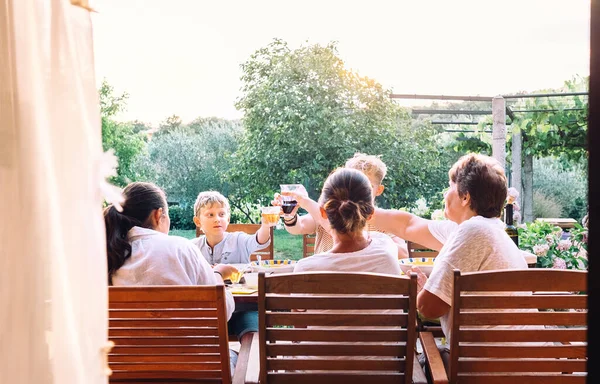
(183, 56)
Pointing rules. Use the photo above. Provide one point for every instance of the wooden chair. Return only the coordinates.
(417, 250)
(169, 334)
(265, 253)
(319, 346)
(482, 355)
(308, 245)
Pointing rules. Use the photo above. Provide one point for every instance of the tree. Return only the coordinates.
(120, 137)
(305, 114)
(187, 161)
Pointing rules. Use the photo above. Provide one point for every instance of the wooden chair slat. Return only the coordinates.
(336, 302)
(162, 323)
(161, 314)
(308, 245)
(534, 301)
(521, 365)
(335, 365)
(163, 349)
(160, 305)
(162, 376)
(509, 335)
(348, 335)
(543, 279)
(338, 319)
(167, 293)
(523, 351)
(416, 250)
(155, 366)
(330, 378)
(136, 332)
(164, 358)
(129, 340)
(523, 378)
(523, 318)
(337, 349)
(336, 283)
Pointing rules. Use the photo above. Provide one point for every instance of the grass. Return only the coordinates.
(285, 246)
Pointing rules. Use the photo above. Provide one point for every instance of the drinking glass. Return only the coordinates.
(270, 215)
(288, 202)
(236, 277)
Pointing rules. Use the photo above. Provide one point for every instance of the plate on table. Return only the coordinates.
(273, 266)
(425, 264)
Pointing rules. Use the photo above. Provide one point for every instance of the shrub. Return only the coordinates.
(544, 206)
(565, 183)
(545, 241)
(181, 218)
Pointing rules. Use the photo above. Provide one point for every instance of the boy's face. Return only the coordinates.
(213, 219)
(375, 186)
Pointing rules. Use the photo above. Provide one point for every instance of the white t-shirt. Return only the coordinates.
(160, 259)
(478, 244)
(380, 256)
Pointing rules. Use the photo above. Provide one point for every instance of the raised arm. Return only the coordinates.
(406, 226)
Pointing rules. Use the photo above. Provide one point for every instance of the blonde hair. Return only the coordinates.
(370, 165)
(207, 199)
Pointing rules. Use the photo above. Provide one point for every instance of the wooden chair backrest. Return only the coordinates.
(168, 333)
(326, 347)
(416, 250)
(483, 298)
(308, 245)
(265, 253)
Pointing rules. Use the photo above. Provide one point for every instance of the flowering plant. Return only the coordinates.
(546, 242)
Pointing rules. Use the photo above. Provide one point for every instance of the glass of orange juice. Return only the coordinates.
(236, 277)
(270, 215)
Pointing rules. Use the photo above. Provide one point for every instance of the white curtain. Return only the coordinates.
(53, 288)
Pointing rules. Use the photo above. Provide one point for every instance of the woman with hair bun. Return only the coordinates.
(347, 203)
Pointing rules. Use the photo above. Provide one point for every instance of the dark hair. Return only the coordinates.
(140, 200)
(484, 179)
(347, 198)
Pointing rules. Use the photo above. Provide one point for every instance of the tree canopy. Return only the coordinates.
(305, 114)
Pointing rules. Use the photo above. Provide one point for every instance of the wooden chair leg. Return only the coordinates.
(239, 376)
(434, 359)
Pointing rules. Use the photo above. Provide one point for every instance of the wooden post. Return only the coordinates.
(499, 130)
(516, 166)
(527, 207)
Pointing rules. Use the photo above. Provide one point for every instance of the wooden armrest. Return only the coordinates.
(418, 376)
(434, 360)
(253, 370)
(241, 368)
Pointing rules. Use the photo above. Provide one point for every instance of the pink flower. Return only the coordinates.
(550, 239)
(564, 245)
(541, 249)
(582, 253)
(516, 217)
(559, 263)
(512, 195)
(584, 237)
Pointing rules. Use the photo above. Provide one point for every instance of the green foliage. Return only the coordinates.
(181, 218)
(305, 115)
(121, 137)
(563, 182)
(187, 161)
(545, 206)
(560, 129)
(544, 240)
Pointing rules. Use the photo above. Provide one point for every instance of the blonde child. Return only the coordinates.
(212, 214)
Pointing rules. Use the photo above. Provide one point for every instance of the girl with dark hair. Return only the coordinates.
(347, 203)
(140, 252)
